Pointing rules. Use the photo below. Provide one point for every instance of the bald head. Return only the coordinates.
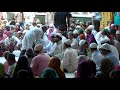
(38, 48)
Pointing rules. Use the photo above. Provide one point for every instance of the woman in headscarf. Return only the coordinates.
(22, 64)
(49, 73)
(2, 35)
(80, 58)
(30, 55)
(31, 38)
(55, 64)
(86, 69)
(89, 36)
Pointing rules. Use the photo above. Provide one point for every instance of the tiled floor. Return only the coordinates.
(69, 75)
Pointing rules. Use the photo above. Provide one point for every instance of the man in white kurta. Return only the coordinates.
(58, 49)
(51, 46)
(74, 43)
(69, 60)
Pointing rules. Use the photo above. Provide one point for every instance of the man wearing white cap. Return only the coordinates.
(74, 43)
(105, 50)
(69, 61)
(83, 47)
(96, 55)
(93, 31)
(58, 50)
(76, 35)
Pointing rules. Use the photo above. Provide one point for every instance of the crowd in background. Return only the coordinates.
(50, 51)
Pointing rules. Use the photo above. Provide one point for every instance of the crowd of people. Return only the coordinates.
(46, 51)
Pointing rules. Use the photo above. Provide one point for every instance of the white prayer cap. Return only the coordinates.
(7, 24)
(59, 34)
(19, 32)
(68, 42)
(51, 25)
(75, 32)
(78, 26)
(52, 34)
(104, 40)
(112, 25)
(82, 42)
(93, 45)
(90, 27)
(81, 22)
(17, 24)
(117, 32)
(105, 46)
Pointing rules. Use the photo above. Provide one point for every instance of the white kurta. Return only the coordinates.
(97, 57)
(74, 43)
(69, 60)
(58, 50)
(50, 47)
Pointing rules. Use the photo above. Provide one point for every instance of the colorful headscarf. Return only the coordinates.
(49, 73)
(55, 64)
(86, 69)
(82, 36)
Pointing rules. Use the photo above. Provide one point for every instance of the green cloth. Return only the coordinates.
(49, 73)
(105, 30)
(81, 31)
(1, 70)
(14, 34)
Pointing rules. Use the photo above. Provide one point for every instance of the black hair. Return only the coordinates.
(11, 56)
(5, 54)
(93, 49)
(67, 45)
(59, 37)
